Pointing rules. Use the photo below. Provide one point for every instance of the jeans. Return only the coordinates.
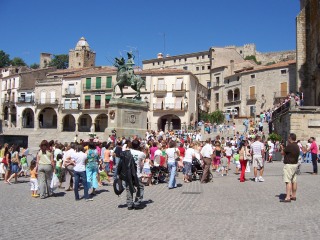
(139, 195)
(116, 161)
(69, 177)
(314, 162)
(307, 158)
(45, 172)
(92, 172)
(172, 167)
(83, 177)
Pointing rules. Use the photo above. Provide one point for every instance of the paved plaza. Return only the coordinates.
(222, 209)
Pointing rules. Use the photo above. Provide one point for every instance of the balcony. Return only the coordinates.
(93, 107)
(216, 85)
(252, 97)
(102, 87)
(160, 89)
(70, 106)
(168, 106)
(179, 88)
(25, 100)
(283, 94)
(69, 93)
(48, 101)
(233, 101)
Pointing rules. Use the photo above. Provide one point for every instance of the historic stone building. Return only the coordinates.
(308, 51)
(82, 55)
(254, 90)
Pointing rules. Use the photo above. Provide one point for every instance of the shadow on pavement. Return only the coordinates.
(281, 196)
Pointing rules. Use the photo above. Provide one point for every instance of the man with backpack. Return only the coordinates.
(129, 170)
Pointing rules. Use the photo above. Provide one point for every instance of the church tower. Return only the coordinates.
(82, 56)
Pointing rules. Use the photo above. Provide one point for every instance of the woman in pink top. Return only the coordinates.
(153, 149)
(314, 155)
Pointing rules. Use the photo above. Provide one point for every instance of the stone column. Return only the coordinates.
(36, 122)
(9, 117)
(77, 127)
(166, 127)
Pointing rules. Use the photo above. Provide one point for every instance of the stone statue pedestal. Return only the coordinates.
(128, 117)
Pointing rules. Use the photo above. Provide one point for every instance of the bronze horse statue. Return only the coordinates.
(126, 76)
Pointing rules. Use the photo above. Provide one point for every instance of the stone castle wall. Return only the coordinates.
(81, 58)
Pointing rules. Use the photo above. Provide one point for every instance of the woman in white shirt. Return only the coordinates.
(79, 158)
(187, 162)
(171, 154)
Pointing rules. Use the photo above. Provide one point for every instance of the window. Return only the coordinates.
(179, 60)
(185, 59)
(238, 78)
(87, 102)
(217, 97)
(202, 67)
(198, 58)
(43, 97)
(158, 63)
(109, 82)
(208, 67)
(108, 97)
(163, 62)
(77, 54)
(88, 83)
(74, 103)
(79, 64)
(152, 64)
(240, 51)
(202, 56)
(228, 81)
(208, 56)
(97, 101)
(197, 68)
(218, 80)
(185, 68)
(283, 71)
(71, 89)
(174, 61)
(252, 91)
(67, 104)
(252, 76)
(98, 82)
(208, 84)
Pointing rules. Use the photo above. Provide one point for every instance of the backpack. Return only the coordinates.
(117, 186)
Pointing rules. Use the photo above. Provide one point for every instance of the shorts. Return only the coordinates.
(289, 173)
(187, 168)
(34, 184)
(257, 161)
(224, 168)
(14, 168)
(229, 158)
(107, 166)
(216, 160)
(237, 163)
(146, 171)
(24, 167)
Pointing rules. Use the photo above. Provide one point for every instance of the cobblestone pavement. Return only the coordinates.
(222, 209)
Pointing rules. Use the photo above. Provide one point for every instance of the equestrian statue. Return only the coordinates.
(126, 76)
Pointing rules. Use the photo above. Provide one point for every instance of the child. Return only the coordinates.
(24, 166)
(236, 158)
(146, 171)
(33, 179)
(224, 164)
(58, 166)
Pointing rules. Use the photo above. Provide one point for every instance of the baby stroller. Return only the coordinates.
(197, 170)
(159, 171)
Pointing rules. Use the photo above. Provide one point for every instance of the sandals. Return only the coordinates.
(293, 198)
(285, 200)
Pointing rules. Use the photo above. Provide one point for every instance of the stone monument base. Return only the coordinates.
(128, 117)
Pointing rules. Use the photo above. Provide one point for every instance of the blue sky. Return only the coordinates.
(112, 27)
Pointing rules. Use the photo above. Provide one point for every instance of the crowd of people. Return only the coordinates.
(90, 164)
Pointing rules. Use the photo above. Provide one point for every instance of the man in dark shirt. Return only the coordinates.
(291, 155)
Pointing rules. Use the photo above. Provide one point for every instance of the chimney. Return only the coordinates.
(231, 66)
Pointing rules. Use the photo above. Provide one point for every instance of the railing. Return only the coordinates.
(69, 92)
(215, 84)
(46, 101)
(282, 94)
(93, 106)
(25, 100)
(168, 106)
(178, 87)
(95, 88)
(280, 110)
(71, 106)
(160, 88)
(252, 97)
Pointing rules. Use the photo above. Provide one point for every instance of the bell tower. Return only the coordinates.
(82, 55)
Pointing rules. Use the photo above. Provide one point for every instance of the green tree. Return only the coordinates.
(204, 116)
(4, 59)
(60, 61)
(34, 66)
(253, 58)
(216, 117)
(17, 61)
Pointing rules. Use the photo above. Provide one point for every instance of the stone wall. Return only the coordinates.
(303, 121)
(81, 58)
